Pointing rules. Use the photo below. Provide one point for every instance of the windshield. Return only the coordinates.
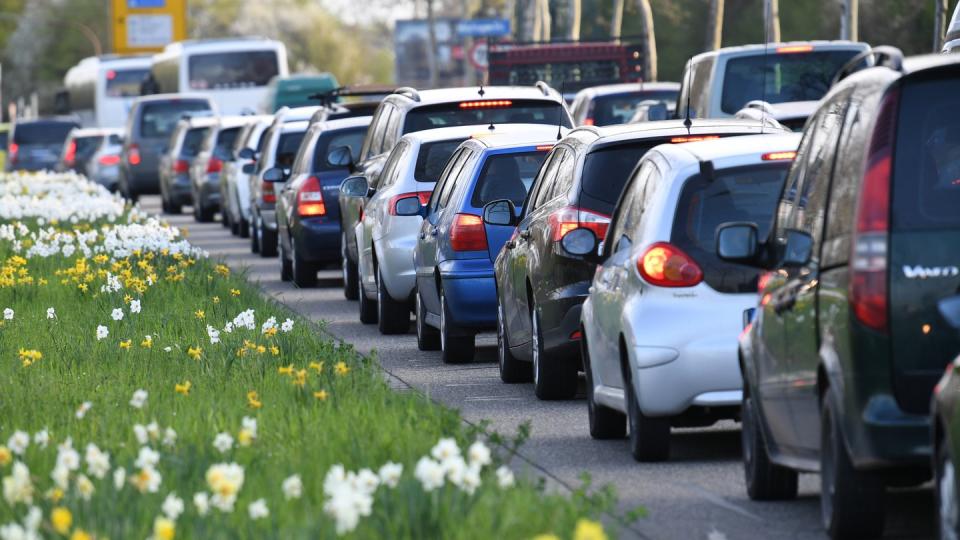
(786, 77)
(125, 82)
(619, 108)
(433, 158)
(606, 170)
(160, 117)
(50, 133)
(526, 111)
(743, 194)
(507, 176)
(241, 69)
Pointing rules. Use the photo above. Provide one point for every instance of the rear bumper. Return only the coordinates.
(879, 434)
(560, 318)
(471, 292)
(317, 239)
(209, 191)
(142, 179)
(268, 218)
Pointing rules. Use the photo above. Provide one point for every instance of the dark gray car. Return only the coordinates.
(36, 145)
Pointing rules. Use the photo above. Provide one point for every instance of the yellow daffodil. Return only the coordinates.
(285, 370)
(195, 352)
(216, 299)
(548, 536)
(29, 356)
(244, 437)
(82, 287)
(270, 332)
(341, 368)
(274, 350)
(164, 528)
(127, 299)
(101, 258)
(241, 352)
(62, 519)
(199, 314)
(41, 282)
(222, 269)
(261, 349)
(588, 530)
(320, 395)
(301, 378)
(126, 344)
(80, 534)
(54, 495)
(234, 292)
(6, 456)
(147, 342)
(182, 388)
(253, 400)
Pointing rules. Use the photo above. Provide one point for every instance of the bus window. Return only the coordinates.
(241, 69)
(125, 82)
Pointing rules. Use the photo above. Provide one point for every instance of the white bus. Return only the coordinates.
(100, 89)
(233, 72)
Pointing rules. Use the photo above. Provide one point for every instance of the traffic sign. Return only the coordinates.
(483, 28)
(143, 26)
(478, 55)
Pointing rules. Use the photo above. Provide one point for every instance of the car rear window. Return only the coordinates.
(518, 111)
(157, 119)
(330, 140)
(742, 194)
(926, 179)
(606, 170)
(507, 176)
(226, 138)
(42, 132)
(619, 108)
(780, 77)
(192, 141)
(433, 158)
(86, 146)
(287, 148)
(125, 82)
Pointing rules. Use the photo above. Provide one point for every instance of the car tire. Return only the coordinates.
(304, 272)
(254, 236)
(203, 214)
(605, 423)
(225, 219)
(368, 308)
(765, 480)
(349, 270)
(267, 241)
(851, 501)
(243, 229)
(556, 379)
(428, 337)
(286, 265)
(234, 225)
(454, 349)
(948, 510)
(649, 437)
(392, 317)
(512, 369)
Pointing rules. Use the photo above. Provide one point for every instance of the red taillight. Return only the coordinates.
(588, 121)
(693, 138)
(310, 199)
(269, 196)
(181, 166)
(570, 218)
(468, 233)
(868, 279)
(486, 104)
(779, 156)
(111, 75)
(70, 156)
(576, 335)
(133, 155)
(12, 149)
(423, 196)
(109, 160)
(666, 265)
(214, 165)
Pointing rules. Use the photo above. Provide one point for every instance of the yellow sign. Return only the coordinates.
(141, 26)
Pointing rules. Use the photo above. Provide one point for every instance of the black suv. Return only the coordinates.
(577, 188)
(407, 110)
(846, 345)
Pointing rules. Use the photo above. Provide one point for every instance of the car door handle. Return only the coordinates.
(510, 244)
(524, 234)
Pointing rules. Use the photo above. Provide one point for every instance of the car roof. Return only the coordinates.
(718, 150)
(923, 62)
(294, 127)
(95, 132)
(232, 121)
(594, 135)
(198, 121)
(218, 44)
(295, 114)
(786, 109)
(447, 133)
(411, 97)
(773, 48)
(36, 121)
(514, 135)
(344, 123)
(172, 97)
(624, 88)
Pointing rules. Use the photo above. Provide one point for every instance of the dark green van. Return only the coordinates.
(295, 90)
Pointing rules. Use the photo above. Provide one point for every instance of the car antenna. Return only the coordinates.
(560, 113)
(687, 122)
(763, 88)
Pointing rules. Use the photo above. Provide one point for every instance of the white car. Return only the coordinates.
(386, 238)
(660, 325)
(236, 182)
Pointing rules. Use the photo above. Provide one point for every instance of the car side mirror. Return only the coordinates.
(950, 310)
(247, 153)
(738, 243)
(501, 212)
(248, 168)
(407, 206)
(274, 174)
(798, 249)
(355, 186)
(580, 241)
(340, 156)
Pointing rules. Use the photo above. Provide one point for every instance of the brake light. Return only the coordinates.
(181, 166)
(133, 155)
(310, 198)
(468, 233)
(693, 138)
(423, 196)
(214, 165)
(779, 156)
(544, 148)
(868, 280)
(111, 75)
(109, 160)
(268, 195)
(588, 121)
(665, 265)
(794, 49)
(12, 149)
(570, 218)
(486, 104)
(576, 335)
(70, 156)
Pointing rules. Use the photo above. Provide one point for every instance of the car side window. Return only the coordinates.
(842, 204)
(391, 169)
(455, 174)
(539, 182)
(449, 172)
(629, 209)
(787, 207)
(302, 163)
(376, 126)
(377, 146)
(549, 179)
(262, 161)
(564, 180)
(392, 132)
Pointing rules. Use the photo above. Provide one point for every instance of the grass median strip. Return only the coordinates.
(147, 391)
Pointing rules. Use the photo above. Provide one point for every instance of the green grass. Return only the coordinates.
(362, 423)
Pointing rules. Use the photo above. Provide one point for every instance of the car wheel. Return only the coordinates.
(454, 349)
(605, 423)
(649, 437)
(948, 519)
(225, 219)
(172, 208)
(203, 214)
(286, 266)
(851, 501)
(556, 379)
(368, 308)
(267, 241)
(765, 480)
(392, 317)
(254, 236)
(428, 338)
(304, 272)
(512, 370)
(349, 269)
(243, 229)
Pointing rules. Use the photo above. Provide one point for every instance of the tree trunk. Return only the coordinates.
(771, 17)
(574, 23)
(649, 40)
(939, 24)
(715, 26)
(849, 20)
(432, 53)
(616, 21)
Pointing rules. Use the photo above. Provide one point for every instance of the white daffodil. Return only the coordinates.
(98, 462)
(139, 399)
(172, 506)
(119, 478)
(51, 313)
(117, 314)
(41, 438)
(102, 332)
(8, 314)
(223, 442)
(258, 509)
(135, 306)
(83, 409)
(286, 326)
(169, 437)
(445, 449)
(390, 474)
(479, 454)
(504, 477)
(18, 442)
(85, 487)
(18, 487)
(429, 473)
(147, 458)
(292, 487)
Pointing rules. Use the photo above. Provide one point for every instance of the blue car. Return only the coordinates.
(456, 291)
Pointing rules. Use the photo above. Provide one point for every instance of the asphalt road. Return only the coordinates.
(698, 494)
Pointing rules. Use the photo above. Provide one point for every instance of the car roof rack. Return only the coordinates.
(883, 56)
(409, 92)
(328, 98)
(544, 87)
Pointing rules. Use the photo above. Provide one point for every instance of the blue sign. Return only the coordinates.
(483, 28)
(140, 4)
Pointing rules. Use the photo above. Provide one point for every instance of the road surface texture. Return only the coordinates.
(698, 494)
